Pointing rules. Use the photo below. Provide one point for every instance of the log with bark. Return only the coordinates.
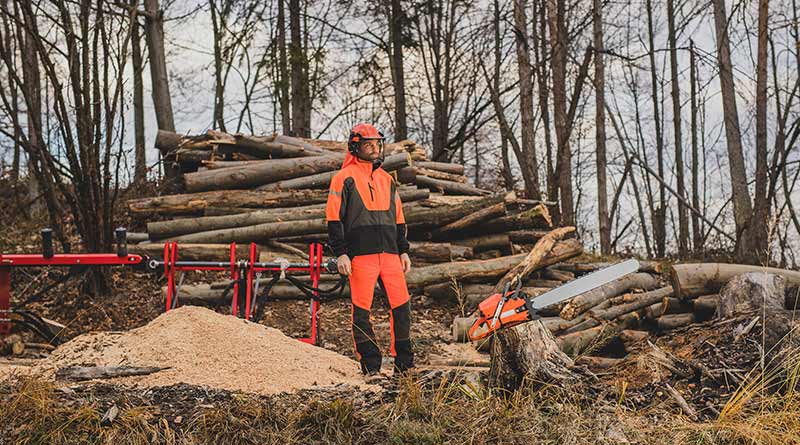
(674, 321)
(81, 373)
(256, 233)
(408, 175)
(487, 213)
(259, 173)
(420, 217)
(439, 251)
(639, 301)
(195, 252)
(449, 187)
(482, 270)
(586, 301)
(705, 304)
(175, 227)
(456, 169)
(197, 203)
(751, 291)
(692, 280)
(498, 241)
(535, 218)
(534, 259)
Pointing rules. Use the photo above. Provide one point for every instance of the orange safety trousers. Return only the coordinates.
(366, 269)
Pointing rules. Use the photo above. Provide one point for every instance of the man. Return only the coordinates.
(367, 232)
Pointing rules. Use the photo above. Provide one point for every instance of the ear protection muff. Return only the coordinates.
(353, 142)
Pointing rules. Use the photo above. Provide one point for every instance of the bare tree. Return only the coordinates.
(683, 218)
(397, 24)
(527, 156)
(137, 60)
(299, 67)
(600, 130)
(162, 101)
(697, 229)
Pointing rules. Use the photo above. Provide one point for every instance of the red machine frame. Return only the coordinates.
(171, 263)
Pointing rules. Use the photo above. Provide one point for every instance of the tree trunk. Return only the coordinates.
(637, 301)
(396, 22)
(604, 225)
(283, 71)
(439, 251)
(674, 321)
(528, 162)
(446, 167)
(660, 211)
(162, 101)
(747, 250)
(299, 66)
(558, 63)
(140, 157)
(444, 214)
(527, 354)
(683, 217)
(761, 203)
(751, 291)
(449, 187)
(323, 180)
(255, 233)
(697, 229)
(472, 220)
(500, 241)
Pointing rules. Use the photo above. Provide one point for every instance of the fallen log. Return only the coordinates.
(586, 301)
(486, 269)
(259, 173)
(499, 241)
(551, 273)
(598, 362)
(526, 236)
(631, 337)
(256, 233)
(751, 291)
(167, 140)
(644, 266)
(535, 218)
(534, 258)
(456, 169)
(80, 373)
(323, 180)
(449, 187)
(166, 229)
(692, 280)
(674, 321)
(194, 252)
(586, 340)
(474, 219)
(668, 305)
(438, 215)
(408, 175)
(641, 301)
(705, 304)
(196, 203)
(268, 147)
(439, 251)
(209, 295)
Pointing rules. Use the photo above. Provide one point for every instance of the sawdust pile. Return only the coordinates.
(202, 347)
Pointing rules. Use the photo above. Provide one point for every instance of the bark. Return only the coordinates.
(408, 175)
(482, 270)
(535, 218)
(323, 180)
(534, 258)
(747, 251)
(162, 100)
(196, 203)
(447, 213)
(446, 167)
(751, 291)
(166, 229)
(705, 304)
(259, 173)
(267, 148)
(299, 67)
(471, 220)
(500, 241)
(283, 70)
(526, 236)
(195, 252)
(579, 342)
(551, 273)
(255, 233)
(674, 321)
(639, 301)
(697, 229)
(683, 217)
(692, 280)
(527, 354)
(540, 55)
(588, 300)
(167, 140)
(81, 373)
(761, 203)
(604, 225)
(449, 187)
(439, 251)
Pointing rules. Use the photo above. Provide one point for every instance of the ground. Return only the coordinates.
(709, 364)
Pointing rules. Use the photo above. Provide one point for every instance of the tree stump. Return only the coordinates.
(751, 291)
(527, 353)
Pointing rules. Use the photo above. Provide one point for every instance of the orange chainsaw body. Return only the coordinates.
(513, 313)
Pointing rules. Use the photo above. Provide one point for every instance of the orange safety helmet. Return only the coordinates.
(363, 132)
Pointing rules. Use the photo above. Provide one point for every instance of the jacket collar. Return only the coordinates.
(366, 167)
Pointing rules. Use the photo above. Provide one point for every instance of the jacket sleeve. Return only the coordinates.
(402, 231)
(334, 210)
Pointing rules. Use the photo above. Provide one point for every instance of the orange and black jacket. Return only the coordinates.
(364, 212)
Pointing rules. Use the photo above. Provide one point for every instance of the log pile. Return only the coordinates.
(272, 190)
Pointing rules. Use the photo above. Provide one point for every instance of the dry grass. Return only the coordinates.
(33, 411)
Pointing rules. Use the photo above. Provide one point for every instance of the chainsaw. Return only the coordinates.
(513, 307)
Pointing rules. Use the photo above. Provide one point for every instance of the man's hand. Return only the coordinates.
(343, 264)
(406, 261)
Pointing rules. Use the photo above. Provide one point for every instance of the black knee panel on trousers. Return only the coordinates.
(366, 345)
(401, 335)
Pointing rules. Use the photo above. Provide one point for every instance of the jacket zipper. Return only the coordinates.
(371, 197)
